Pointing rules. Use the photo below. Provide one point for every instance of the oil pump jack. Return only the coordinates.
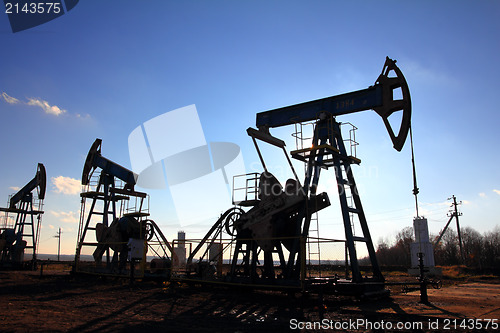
(117, 216)
(278, 222)
(26, 207)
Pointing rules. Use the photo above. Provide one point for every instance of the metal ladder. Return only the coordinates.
(351, 207)
(22, 222)
(313, 243)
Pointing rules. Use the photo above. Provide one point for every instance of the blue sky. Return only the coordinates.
(106, 67)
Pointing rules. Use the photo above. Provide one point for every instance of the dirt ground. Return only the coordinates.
(57, 302)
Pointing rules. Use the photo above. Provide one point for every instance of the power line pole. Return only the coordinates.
(454, 213)
(58, 236)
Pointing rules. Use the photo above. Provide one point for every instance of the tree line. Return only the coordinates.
(480, 251)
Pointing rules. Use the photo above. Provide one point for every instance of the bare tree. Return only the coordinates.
(491, 248)
(480, 251)
(399, 253)
(472, 246)
(383, 253)
(447, 252)
(403, 242)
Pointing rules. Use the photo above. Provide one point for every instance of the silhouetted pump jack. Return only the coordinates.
(117, 217)
(279, 219)
(25, 208)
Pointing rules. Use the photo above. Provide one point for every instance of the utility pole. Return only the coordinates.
(454, 213)
(58, 236)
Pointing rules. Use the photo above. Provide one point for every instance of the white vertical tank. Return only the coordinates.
(423, 245)
(181, 238)
(180, 250)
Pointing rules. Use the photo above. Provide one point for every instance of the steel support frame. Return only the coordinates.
(26, 208)
(345, 177)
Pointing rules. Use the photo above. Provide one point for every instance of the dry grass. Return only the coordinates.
(454, 272)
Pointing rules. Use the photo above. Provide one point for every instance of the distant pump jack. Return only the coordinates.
(26, 205)
(117, 217)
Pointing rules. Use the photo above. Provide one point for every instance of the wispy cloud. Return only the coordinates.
(82, 116)
(426, 73)
(482, 195)
(15, 188)
(46, 107)
(66, 185)
(434, 209)
(9, 99)
(497, 191)
(66, 217)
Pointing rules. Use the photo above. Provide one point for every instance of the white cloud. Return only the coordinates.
(434, 209)
(9, 99)
(82, 116)
(66, 217)
(425, 73)
(66, 185)
(49, 109)
(482, 195)
(497, 191)
(44, 105)
(15, 188)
